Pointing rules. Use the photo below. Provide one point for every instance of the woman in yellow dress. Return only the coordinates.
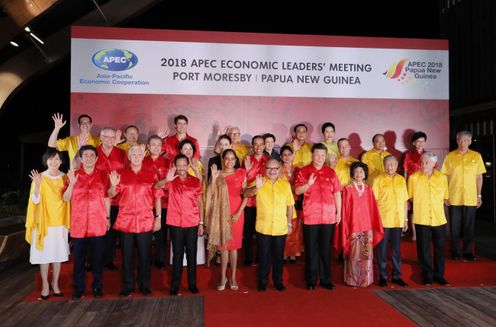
(47, 221)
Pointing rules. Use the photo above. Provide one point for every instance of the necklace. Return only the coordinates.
(360, 191)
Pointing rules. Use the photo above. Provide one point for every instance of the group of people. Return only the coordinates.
(305, 198)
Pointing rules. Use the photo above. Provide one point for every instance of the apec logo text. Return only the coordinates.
(114, 59)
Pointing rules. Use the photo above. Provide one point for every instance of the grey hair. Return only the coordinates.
(107, 128)
(389, 157)
(430, 155)
(463, 133)
(274, 160)
(135, 147)
(231, 128)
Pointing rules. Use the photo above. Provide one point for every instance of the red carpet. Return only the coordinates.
(296, 306)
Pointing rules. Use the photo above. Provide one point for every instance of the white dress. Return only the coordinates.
(56, 244)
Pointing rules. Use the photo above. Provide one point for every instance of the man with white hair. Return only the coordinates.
(240, 148)
(464, 168)
(428, 189)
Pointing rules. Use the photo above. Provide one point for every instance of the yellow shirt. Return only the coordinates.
(332, 148)
(241, 151)
(342, 169)
(50, 211)
(391, 195)
(273, 199)
(462, 171)
(124, 146)
(71, 145)
(375, 161)
(428, 195)
(303, 156)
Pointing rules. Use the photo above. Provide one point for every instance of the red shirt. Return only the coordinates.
(88, 213)
(160, 166)
(137, 201)
(183, 210)
(116, 160)
(171, 146)
(257, 168)
(319, 206)
(412, 161)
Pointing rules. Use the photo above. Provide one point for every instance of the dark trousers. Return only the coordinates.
(143, 243)
(161, 238)
(183, 239)
(248, 231)
(426, 234)
(110, 237)
(318, 242)
(393, 236)
(82, 247)
(270, 248)
(462, 223)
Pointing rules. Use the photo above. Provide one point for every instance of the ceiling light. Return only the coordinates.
(36, 38)
(14, 44)
(27, 29)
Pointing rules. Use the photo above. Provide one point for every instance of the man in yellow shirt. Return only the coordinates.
(428, 189)
(344, 162)
(464, 169)
(241, 149)
(302, 149)
(71, 144)
(275, 205)
(392, 196)
(131, 133)
(374, 158)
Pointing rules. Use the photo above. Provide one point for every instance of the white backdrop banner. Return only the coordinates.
(195, 68)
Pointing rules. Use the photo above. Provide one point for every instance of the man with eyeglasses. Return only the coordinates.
(275, 205)
(110, 158)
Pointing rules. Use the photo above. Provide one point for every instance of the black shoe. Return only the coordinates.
(310, 287)
(262, 287)
(292, 261)
(328, 286)
(97, 293)
(193, 289)
(44, 297)
(441, 281)
(56, 294)
(125, 293)
(382, 282)
(110, 266)
(427, 282)
(247, 263)
(173, 291)
(280, 287)
(159, 265)
(456, 257)
(399, 282)
(145, 291)
(469, 257)
(77, 296)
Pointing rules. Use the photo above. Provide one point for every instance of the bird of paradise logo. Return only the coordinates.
(398, 72)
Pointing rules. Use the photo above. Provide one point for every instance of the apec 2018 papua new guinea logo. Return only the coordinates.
(407, 71)
(114, 59)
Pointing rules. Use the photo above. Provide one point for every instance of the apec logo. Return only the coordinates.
(114, 59)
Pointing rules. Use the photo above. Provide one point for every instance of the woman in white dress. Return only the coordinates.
(47, 221)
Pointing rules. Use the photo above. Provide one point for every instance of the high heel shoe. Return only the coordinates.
(222, 285)
(44, 297)
(56, 294)
(233, 286)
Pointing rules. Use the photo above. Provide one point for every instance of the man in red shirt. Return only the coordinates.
(185, 220)
(136, 221)
(321, 212)
(110, 158)
(254, 165)
(160, 166)
(90, 208)
(171, 143)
